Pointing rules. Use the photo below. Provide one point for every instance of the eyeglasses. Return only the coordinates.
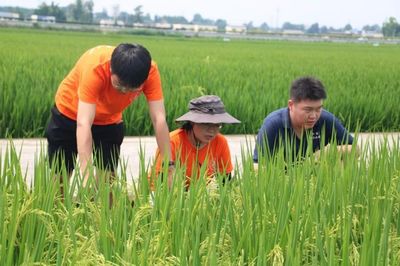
(209, 126)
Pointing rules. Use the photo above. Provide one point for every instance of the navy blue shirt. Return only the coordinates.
(277, 128)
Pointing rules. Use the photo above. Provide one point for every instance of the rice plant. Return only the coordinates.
(336, 210)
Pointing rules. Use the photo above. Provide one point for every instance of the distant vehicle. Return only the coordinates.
(48, 19)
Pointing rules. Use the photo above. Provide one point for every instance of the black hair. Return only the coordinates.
(187, 126)
(131, 63)
(307, 88)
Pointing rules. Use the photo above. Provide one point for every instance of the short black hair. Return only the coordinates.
(187, 126)
(131, 63)
(307, 88)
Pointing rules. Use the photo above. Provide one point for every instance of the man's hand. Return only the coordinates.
(171, 173)
(255, 167)
(343, 150)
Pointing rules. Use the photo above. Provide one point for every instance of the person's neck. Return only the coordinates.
(298, 130)
(195, 141)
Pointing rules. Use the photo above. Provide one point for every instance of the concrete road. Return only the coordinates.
(30, 149)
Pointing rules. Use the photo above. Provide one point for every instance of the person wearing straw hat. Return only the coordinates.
(199, 143)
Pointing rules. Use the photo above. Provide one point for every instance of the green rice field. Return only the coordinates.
(251, 77)
(334, 210)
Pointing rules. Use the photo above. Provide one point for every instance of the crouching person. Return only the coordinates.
(304, 117)
(198, 144)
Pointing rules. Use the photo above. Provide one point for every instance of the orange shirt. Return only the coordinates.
(215, 154)
(90, 82)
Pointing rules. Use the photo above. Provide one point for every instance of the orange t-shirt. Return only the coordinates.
(90, 82)
(215, 154)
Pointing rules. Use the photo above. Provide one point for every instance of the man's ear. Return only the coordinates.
(290, 104)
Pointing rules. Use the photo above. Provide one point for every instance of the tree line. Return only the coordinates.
(82, 12)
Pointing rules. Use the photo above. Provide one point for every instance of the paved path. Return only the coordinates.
(30, 149)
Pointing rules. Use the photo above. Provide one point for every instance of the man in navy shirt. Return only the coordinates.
(302, 122)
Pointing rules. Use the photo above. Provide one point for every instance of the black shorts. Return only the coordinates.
(62, 144)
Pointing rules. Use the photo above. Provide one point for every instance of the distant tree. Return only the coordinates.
(51, 10)
(264, 27)
(249, 26)
(82, 11)
(87, 15)
(115, 13)
(171, 19)
(391, 28)
(207, 21)
(376, 28)
(290, 26)
(42, 10)
(323, 30)
(373, 28)
(126, 18)
(158, 19)
(348, 27)
(313, 29)
(69, 12)
(23, 12)
(78, 10)
(100, 15)
(197, 19)
(138, 14)
(332, 29)
(221, 25)
(147, 19)
(104, 12)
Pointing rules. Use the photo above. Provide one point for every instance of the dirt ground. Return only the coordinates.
(30, 149)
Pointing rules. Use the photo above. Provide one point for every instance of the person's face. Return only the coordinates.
(205, 132)
(116, 83)
(304, 114)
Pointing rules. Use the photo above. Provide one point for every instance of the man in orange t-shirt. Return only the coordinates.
(198, 143)
(89, 102)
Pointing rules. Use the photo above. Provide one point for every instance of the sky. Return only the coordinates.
(335, 13)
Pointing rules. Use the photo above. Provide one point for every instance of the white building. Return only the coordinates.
(194, 27)
(372, 34)
(9, 16)
(235, 29)
(165, 26)
(111, 23)
(293, 32)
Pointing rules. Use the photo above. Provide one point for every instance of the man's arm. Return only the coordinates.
(86, 114)
(157, 115)
(266, 140)
(343, 139)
